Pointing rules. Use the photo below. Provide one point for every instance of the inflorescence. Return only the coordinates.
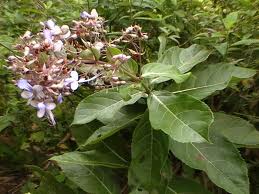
(57, 60)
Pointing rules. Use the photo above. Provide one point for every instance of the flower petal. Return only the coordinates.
(38, 91)
(94, 13)
(56, 30)
(41, 109)
(74, 75)
(50, 24)
(50, 105)
(26, 94)
(60, 98)
(74, 85)
(34, 103)
(24, 85)
(47, 35)
(84, 15)
(68, 81)
(40, 113)
(58, 46)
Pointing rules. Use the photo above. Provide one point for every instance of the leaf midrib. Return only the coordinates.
(167, 109)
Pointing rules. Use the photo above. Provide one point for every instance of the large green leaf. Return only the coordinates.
(102, 105)
(123, 118)
(182, 185)
(182, 117)
(100, 157)
(95, 180)
(158, 72)
(220, 160)
(205, 80)
(235, 129)
(184, 59)
(149, 157)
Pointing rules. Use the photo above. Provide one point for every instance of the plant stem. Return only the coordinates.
(137, 79)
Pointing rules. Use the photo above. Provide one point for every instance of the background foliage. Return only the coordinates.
(228, 29)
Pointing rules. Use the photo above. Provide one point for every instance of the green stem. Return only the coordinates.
(137, 79)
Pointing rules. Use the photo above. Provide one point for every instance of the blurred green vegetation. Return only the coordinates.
(229, 28)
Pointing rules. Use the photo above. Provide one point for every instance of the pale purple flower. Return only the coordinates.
(50, 24)
(74, 80)
(56, 30)
(44, 109)
(65, 32)
(29, 91)
(121, 57)
(57, 46)
(86, 15)
(24, 84)
(47, 35)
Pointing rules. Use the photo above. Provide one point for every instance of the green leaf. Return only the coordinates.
(230, 20)
(149, 156)
(49, 184)
(158, 72)
(111, 51)
(243, 73)
(96, 180)
(82, 132)
(182, 117)
(184, 59)
(130, 66)
(246, 42)
(102, 105)
(5, 121)
(235, 129)
(98, 157)
(222, 48)
(186, 186)
(205, 80)
(220, 160)
(123, 118)
(163, 41)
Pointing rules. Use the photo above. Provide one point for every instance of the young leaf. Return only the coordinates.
(163, 41)
(235, 129)
(184, 59)
(5, 121)
(149, 156)
(222, 48)
(98, 157)
(220, 160)
(205, 80)
(91, 179)
(158, 73)
(230, 20)
(102, 105)
(182, 117)
(122, 119)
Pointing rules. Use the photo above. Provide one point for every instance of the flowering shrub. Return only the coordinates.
(57, 60)
(146, 115)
